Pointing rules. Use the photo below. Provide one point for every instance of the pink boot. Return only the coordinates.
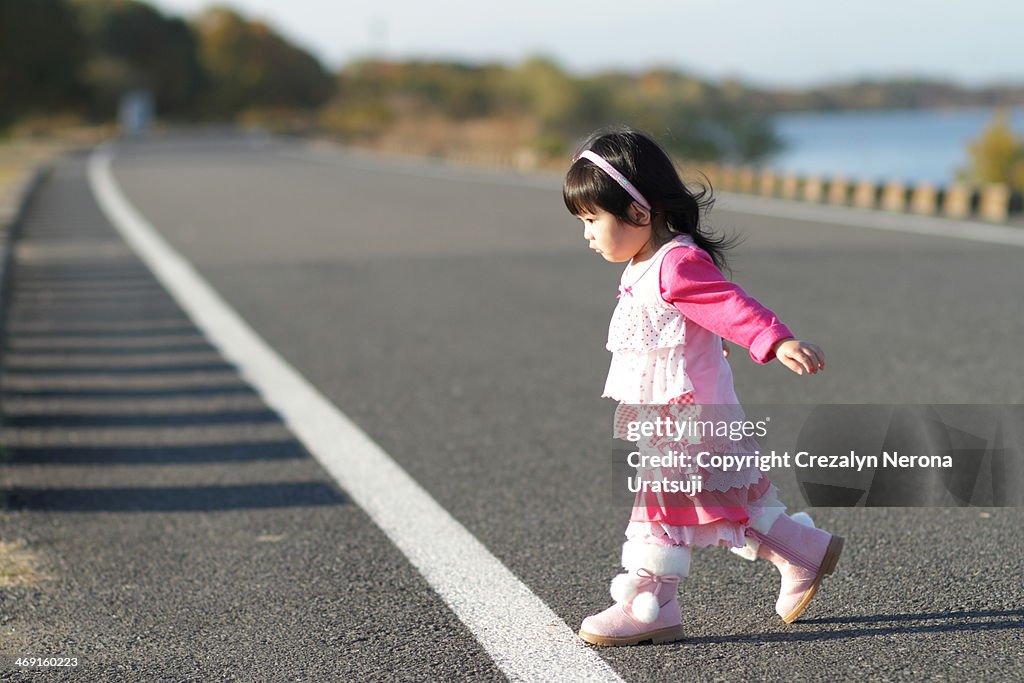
(803, 555)
(645, 606)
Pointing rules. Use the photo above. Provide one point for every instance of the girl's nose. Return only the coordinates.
(586, 233)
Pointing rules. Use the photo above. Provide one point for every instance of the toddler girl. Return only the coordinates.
(674, 309)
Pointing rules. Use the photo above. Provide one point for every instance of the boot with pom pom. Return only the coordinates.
(645, 608)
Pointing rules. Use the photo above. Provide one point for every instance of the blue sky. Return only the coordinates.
(782, 42)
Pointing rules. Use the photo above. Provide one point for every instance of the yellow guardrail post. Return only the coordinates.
(790, 186)
(924, 199)
(994, 203)
(767, 182)
(745, 179)
(894, 196)
(956, 201)
(865, 194)
(813, 189)
(838, 191)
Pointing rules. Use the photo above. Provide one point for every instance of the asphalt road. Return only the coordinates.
(458, 318)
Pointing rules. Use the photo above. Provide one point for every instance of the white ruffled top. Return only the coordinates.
(646, 337)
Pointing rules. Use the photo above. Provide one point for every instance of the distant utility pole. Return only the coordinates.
(378, 37)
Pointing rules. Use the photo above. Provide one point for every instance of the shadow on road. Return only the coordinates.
(101, 369)
(175, 498)
(976, 620)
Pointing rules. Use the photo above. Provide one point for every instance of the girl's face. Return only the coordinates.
(614, 239)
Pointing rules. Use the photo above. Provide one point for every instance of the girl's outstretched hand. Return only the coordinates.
(803, 358)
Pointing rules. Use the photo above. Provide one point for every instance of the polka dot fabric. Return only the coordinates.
(646, 337)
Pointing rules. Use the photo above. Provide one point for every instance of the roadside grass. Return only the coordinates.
(19, 566)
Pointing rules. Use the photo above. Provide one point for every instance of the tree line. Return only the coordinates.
(81, 55)
(78, 57)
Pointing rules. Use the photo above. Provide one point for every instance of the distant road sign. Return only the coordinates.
(135, 112)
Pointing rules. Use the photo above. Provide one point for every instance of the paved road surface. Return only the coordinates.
(456, 316)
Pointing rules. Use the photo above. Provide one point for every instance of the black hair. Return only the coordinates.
(648, 167)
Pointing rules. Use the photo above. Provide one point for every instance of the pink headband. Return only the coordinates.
(616, 176)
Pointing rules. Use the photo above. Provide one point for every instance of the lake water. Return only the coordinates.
(910, 145)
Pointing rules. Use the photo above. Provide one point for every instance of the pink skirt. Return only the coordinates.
(717, 515)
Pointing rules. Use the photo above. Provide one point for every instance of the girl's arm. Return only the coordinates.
(692, 283)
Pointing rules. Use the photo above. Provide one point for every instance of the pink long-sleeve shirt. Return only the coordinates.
(690, 281)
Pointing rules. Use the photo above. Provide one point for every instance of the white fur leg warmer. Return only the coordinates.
(749, 551)
(663, 560)
(763, 523)
(648, 565)
(762, 515)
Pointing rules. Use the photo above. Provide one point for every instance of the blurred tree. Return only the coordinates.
(40, 46)
(251, 66)
(550, 94)
(744, 137)
(696, 120)
(997, 156)
(461, 91)
(361, 107)
(565, 107)
(131, 45)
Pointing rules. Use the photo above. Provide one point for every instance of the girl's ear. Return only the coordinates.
(638, 215)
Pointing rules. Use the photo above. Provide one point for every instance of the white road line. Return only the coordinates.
(738, 203)
(524, 637)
